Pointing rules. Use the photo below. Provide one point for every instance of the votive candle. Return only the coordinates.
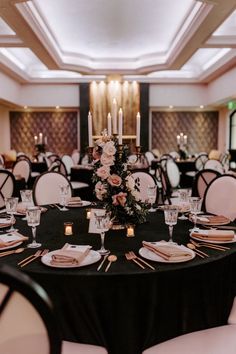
(68, 228)
(130, 231)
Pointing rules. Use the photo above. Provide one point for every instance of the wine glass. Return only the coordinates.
(64, 191)
(103, 222)
(27, 199)
(183, 203)
(152, 194)
(195, 208)
(171, 216)
(11, 206)
(33, 219)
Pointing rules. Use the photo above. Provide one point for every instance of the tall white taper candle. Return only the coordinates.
(109, 124)
(138, 129)
(114, 116)
(90, 135)
(120, 126)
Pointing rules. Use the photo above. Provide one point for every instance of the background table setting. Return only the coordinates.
(128, 307)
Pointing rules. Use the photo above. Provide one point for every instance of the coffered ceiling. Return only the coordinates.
(148, 40)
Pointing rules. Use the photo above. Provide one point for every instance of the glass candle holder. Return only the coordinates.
(130, 231)
(68, 228)
(88, 213)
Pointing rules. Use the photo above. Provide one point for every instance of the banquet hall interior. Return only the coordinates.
(118, 165)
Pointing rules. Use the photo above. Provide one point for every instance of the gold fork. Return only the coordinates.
(213, 246)
(39, 253)
(129, 257)
(141, 260)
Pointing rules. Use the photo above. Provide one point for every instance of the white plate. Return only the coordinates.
(5, 238)
(91, 258)
(211, 241)
(145, 253)
(201, 222)
(81, 204)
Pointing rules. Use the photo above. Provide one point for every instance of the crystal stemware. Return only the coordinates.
(33, 219)
(152, 194)
(195, 208)
(171, 216)
(103, 223)
(183, 203)
(64, 191)
(11, 206)
(26, 199)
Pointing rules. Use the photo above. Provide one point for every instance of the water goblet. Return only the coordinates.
(64, 191)
(11, 206)
(103, 223)
(171, 216)
(152, 194)
(195, 208)
(33, 219)
(27, 199)
(183, 203)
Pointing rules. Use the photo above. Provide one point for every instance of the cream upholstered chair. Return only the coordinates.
(7, 181)
(217, 340)
(75, 156)
(214, 165)
(27, 320)
(220, 197)
(22, 168)
(68, 162)
(46, 189)
(143, 180)
(201, 180)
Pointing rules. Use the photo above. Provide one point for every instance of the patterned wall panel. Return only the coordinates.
(60, 128)
(200, 127)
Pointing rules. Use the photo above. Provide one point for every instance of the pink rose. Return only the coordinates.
(119, 199)
(114, 180)
(103, 172)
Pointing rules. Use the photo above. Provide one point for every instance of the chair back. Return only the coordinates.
(173, 173)
(200, 161)
(220, 197)
(149, 156)
(7, 182)
(46, 189)
(75, 156)
(22, 168)
(201, 180)
(68, 162)
(27, 322)
(2, 161)
(214, 165)
(142, 181)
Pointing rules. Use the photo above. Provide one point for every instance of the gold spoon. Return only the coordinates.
(112, 258)
(199, 253)
(6, 253)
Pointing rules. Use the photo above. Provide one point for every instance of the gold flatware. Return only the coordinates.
(112, 258)
(141, 260)
(129, 257)
(103, 261)
(209, 245)
(39, 253)
(6, 253)
(198, 252)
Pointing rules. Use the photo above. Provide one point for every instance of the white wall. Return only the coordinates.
(50, 95)
(9, 89)
(223, 88)
(177, 95)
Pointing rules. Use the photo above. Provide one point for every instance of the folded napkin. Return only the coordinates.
(7, 240)
(69, 256)
(212, 219)
(168, 252)
(4, 222)
(214, 235)
(74, 201)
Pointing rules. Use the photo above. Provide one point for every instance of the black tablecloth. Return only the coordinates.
(129, 309)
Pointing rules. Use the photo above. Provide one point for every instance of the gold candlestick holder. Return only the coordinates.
(138, 152)
(120, 150)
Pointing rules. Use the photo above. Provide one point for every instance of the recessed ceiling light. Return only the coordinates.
(170, 106)
(25, 107)
(201, 106)
(57, 107)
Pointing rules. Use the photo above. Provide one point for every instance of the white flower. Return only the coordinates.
(136, 194)
(107, 160)
(109, 148)
(100, 190)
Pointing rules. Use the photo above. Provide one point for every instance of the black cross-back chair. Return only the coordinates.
(7, 183)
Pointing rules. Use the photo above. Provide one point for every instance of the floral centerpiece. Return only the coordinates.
(114, 184)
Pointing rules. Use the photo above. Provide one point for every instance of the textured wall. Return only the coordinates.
(200, 127)
(59, 127)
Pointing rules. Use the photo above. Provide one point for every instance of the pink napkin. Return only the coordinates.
(70, 256)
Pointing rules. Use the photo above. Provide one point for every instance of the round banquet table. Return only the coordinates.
(129, 309)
